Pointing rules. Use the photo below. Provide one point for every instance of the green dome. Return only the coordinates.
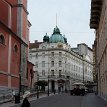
(46, 38)
(56, 36)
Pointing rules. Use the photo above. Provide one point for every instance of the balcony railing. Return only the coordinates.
(56, 76)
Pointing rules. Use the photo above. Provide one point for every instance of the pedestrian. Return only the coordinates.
(13, 95)
(26, 103)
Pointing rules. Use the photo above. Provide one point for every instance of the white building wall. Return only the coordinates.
(72, 63)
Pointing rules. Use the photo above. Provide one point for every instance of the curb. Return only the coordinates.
(30, 100)
(5, 101)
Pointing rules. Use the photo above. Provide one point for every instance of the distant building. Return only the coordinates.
(56, 61)
(98, 22)
(14, 43)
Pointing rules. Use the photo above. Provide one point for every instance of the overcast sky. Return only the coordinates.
(73, 17)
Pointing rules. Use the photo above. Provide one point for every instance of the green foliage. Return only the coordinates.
(41, 83)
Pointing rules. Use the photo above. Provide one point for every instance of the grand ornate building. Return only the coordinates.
(98, 22)
(14, 43)
(59, 64)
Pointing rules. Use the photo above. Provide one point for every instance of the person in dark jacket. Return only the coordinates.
(26, 103)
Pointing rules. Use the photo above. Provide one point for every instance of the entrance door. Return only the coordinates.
(53, 85)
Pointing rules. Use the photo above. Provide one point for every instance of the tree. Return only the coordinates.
(42, 84)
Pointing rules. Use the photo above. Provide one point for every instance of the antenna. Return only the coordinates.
(56, 19)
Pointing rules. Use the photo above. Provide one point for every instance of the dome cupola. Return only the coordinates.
(56, 30)
(46, 38)
(56, 36)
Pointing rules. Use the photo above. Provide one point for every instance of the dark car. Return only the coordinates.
(79, 89)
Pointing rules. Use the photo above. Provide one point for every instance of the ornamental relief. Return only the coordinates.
(60, 45)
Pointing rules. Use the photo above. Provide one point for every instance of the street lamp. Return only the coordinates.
(65, 84)
(48, 85)
(37, 86)
(54, 84)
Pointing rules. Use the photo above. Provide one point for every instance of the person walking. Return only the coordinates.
(26, 103)
(13, 95)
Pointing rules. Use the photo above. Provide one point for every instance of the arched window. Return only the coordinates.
(2, 40)
(15, 48)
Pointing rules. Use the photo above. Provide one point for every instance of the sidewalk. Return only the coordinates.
(11, 104)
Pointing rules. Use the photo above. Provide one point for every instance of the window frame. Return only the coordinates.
(15, 48)
(2, 39)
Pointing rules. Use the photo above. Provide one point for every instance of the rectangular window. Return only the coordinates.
(60, 73)
(43, 55)
(52, 54)
(30, 56)
(43, 63)
(74, 67)
(60, 63)
(36, 64)
(36, 55)
(52, 63)
(60, 54)
(43, 72)
(52, 72)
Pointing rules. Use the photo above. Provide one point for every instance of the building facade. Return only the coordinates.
(59, 64)
(14, 43)
(98, 22)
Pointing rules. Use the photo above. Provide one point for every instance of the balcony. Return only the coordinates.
(51, 77)
(94, 23)
(96, 6)
(61, 76)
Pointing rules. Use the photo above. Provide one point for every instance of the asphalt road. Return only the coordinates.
(65, 100)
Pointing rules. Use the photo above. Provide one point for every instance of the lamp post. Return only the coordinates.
(65, 84)
(65, 81)
(48, 85)
(54, 84)
(37, 86)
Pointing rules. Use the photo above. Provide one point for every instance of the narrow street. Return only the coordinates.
(65, 100)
